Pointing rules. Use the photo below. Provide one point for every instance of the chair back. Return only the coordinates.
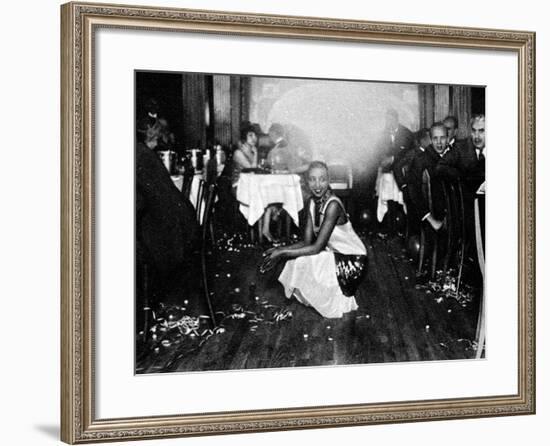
(187, 180)
(199, 206)
(341, 176)
(427, 188)
(210, 192)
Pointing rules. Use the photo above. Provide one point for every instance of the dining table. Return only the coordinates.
(255, 192)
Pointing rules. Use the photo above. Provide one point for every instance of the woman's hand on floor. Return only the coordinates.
(271, 257)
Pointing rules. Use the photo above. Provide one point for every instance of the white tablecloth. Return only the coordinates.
(256, 192)
(387, 189)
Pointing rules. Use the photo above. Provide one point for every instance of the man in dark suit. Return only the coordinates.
(451, 123)
(467, 161)
(425, 158)
(396, 141)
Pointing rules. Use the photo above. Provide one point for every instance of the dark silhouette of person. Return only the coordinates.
(166, 227)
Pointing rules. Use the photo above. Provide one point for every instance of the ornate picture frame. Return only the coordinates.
(80, 22)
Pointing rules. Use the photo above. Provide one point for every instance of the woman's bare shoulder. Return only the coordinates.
(239, 156)
(335, 207)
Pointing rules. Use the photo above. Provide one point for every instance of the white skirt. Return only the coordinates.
(312, 280)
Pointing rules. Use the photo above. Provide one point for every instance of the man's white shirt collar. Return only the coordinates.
(480, 151)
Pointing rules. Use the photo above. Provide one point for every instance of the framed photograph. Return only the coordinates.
(275, 222)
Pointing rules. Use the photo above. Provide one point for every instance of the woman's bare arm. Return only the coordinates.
(308, 237)
(332, 214)
(329, 222)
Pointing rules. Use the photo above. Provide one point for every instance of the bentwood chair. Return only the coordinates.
(187, 181)
(456, 229)
(199, 200)
(210, 193)
(428, 237)
(462, 229)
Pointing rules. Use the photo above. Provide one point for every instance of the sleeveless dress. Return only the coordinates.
(252, 159)
(327, 281)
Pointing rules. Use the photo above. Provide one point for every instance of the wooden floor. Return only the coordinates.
(397, 320)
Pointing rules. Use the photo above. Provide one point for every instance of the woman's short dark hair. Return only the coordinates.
(245, 130)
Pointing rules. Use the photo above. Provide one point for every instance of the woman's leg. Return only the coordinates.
(266, 221)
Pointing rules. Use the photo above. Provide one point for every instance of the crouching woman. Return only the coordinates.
(325, 269)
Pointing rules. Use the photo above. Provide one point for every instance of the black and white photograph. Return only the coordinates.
(296, 222)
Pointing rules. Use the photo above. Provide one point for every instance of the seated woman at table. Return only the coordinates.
(246, 156)
(325, 269)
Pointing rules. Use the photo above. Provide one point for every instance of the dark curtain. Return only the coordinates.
(438, 101)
